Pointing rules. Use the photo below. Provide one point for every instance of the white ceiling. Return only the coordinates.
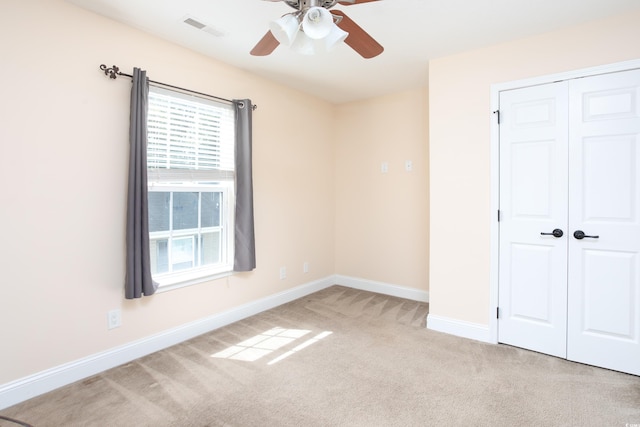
(411, 31)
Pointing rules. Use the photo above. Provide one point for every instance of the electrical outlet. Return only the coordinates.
(283, 273)
(305, 267)
(114, 318)
(384, 167)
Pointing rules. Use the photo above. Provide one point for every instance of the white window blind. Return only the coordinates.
(189, 138)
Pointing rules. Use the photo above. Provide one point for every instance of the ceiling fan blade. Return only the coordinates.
(350, 2)
(358, 39)
(265, 46)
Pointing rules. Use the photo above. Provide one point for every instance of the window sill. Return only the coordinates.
(178, 281)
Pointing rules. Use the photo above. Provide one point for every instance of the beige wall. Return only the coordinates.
(460, 117)
(382, 219)
(63, 160)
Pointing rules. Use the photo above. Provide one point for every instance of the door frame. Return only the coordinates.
(495, 166)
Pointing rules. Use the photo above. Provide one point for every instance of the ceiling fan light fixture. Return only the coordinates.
(285, 29)
(317, 22)
(314, 29)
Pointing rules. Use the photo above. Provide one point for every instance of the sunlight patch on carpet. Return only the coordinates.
(305, 344)
(263, 344)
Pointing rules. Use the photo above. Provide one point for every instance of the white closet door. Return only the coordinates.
(604, 201)
(533, 200)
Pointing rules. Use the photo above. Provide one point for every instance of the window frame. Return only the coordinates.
(197, 180)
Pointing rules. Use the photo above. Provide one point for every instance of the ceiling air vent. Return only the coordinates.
(189, 20)
(194, 23)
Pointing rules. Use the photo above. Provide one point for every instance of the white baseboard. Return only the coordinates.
(28, 387)
(459, 328)
(382, 288)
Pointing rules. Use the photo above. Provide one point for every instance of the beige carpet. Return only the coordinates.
(340, 357)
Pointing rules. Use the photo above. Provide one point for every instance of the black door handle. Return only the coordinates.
(579, 234)
(555, 233)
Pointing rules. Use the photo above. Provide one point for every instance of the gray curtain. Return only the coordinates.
(245, 244)
(138, 281)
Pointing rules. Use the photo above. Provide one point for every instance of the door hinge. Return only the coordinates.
(498, 215)
(497, 312)
(497, 113)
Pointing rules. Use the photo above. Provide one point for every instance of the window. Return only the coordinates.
(190, 158)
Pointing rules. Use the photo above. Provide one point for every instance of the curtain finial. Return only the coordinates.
(112, 71)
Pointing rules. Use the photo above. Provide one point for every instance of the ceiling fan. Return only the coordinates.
(312, 27)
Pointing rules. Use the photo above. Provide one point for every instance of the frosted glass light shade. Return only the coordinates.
(335, 37)
(317, 23)
(304, 44)
(285, 29)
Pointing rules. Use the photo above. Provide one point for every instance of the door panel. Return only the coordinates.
(531, 269)
(608, 193)
(609, 287)
(531, 191)
(604, 195)
(533, 200)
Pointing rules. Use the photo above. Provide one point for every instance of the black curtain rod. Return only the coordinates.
(113, 72)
